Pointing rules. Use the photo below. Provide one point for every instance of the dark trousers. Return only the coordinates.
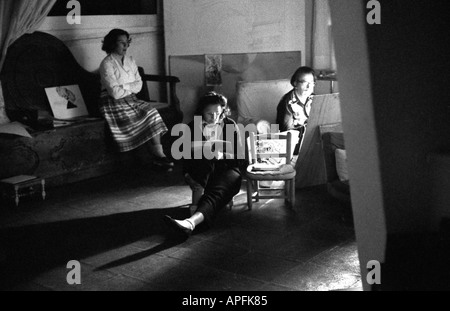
(221, 181)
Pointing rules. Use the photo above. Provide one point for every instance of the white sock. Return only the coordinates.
(158, 151)
(186, 224)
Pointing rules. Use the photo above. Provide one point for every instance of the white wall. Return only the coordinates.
(196, 27)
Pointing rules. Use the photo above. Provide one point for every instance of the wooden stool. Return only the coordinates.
(23, 185)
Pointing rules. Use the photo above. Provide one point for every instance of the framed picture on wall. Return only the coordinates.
(213, 70)
(66, 102)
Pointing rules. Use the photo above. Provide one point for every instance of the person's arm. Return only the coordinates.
(285, 118)
(109, 80)
(135, 86)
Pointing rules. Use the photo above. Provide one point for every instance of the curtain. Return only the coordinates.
(323, 57)
(19, 17)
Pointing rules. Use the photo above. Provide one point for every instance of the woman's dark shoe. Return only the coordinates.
(177, 228)
(163, 162)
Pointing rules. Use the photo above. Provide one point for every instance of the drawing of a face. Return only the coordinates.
(66, 94)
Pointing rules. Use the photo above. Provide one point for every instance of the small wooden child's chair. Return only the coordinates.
(261, 149)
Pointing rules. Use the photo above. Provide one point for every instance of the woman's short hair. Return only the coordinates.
(302, 71)
(110, 40)
(210, 98)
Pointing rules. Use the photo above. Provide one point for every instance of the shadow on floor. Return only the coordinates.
(30, 250)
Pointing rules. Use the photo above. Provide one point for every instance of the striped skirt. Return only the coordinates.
(132, 121)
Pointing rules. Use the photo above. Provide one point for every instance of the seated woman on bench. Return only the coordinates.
(133, 122)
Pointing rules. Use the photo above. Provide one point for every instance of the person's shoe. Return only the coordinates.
(163, 162)
(177, 228)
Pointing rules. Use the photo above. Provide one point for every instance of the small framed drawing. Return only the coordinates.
(213, 70)
(66, 102)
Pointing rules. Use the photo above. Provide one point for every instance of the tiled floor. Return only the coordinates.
(113, 226)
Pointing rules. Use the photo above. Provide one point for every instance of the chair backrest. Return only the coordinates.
(144, 94)
(264, 146)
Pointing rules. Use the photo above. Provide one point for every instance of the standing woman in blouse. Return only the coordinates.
(132, 122)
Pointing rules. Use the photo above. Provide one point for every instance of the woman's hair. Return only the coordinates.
(302, 71)
(210, 98)
(110, 40)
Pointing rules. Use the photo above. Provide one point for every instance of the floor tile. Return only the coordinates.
(343, 257)
(312, 277)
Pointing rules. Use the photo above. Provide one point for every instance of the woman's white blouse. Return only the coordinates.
(120, 80)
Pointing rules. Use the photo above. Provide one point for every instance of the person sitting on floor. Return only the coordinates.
(220, 176)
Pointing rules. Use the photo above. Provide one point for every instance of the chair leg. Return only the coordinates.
(287, 192)
(292, 192)
(249, 194)
(257, 190)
